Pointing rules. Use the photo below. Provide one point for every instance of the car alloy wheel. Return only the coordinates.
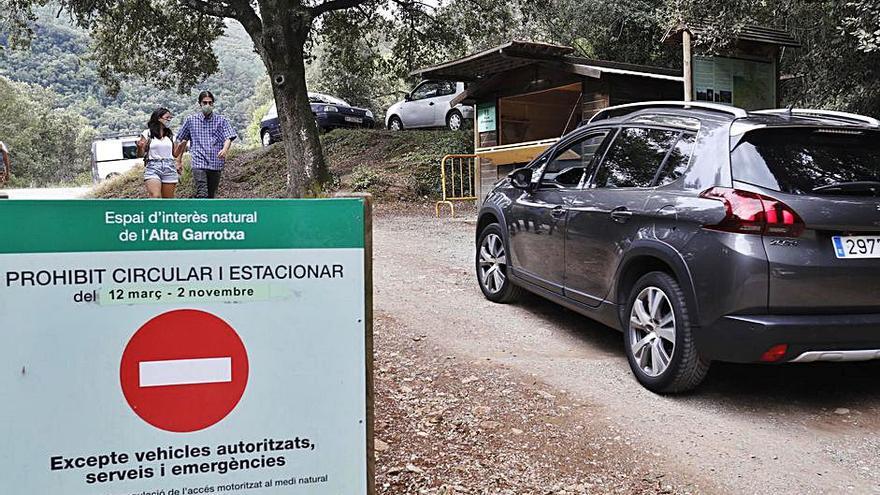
(394, 124)
(652, 331)
(267, 138)
(492, 266)
(658, 336)
(453, 122)
(493, 263)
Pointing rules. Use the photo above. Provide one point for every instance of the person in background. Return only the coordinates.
(209, 136)
(5, 167)
(162, 161)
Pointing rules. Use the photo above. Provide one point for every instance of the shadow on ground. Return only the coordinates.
(810, 387)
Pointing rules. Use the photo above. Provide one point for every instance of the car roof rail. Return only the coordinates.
(116, 135)
(831, 114)
(702, 105)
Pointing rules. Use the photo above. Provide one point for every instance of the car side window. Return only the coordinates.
(677, 161)
(447, 88)
(273, 112)
(426, 90)
(129, 150)
(568, 166)
(634, 157)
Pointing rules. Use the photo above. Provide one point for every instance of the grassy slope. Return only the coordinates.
(392, 166)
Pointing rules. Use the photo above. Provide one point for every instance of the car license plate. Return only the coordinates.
(856, 246)
(356, 120)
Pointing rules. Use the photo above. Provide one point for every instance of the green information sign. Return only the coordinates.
(486, 118)
(182, 347)
(748, 84)
(114, 225)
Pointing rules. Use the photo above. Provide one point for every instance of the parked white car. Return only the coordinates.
(114, 156)
(427, 105)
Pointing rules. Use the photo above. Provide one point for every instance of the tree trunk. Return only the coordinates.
(283, 38)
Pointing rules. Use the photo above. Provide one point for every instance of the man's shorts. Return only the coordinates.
(164, 171)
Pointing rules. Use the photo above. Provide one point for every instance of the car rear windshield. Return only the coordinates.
(810, 161)
(321, 98)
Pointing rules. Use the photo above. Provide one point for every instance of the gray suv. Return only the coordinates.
(703, 232)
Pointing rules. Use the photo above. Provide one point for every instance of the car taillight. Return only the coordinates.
(774, 353)
(753, 213)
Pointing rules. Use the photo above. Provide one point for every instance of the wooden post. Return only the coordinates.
(687, 70)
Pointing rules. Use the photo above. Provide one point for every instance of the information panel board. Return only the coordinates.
(748, 84)
(486, 117)
(182, 347)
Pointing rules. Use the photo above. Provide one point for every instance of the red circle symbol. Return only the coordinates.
(184, 370)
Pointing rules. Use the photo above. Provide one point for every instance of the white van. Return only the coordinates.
(114, 155)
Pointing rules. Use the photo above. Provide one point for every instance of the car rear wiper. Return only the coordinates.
(867, 186)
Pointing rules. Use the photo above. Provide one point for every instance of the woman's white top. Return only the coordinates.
(160, 149)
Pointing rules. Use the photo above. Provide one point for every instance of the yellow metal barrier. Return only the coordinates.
(458, 179)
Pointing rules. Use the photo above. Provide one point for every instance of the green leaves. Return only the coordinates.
(862, 21)
(46, 146)
(159, 41)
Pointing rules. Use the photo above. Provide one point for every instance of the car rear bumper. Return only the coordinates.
(745, 338)
(333, 120)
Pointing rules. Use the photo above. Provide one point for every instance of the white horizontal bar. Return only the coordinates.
(185, 371)
(856, 355)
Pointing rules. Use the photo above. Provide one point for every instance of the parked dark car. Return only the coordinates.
(703, 232)
(330, 113)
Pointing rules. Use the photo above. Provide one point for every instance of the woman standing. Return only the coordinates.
(162, 162)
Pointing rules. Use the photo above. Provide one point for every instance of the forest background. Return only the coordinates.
(54, 103)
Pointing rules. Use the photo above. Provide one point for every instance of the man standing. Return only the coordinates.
(5, 168)
(210, 137)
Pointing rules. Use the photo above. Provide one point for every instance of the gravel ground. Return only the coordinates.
(450, 426)
(479, 398)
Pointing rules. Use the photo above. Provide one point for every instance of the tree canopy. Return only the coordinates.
(364, 50)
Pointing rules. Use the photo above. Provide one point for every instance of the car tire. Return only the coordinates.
(266, 138)
(454, 121)
(492, 267)
(111, 175)
(658, 336)
(394, 124)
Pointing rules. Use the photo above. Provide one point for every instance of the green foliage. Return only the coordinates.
(263, 93)
(350, 56)
(59, 59)
(46, 145)
(364, 178)
(862, 21)
(623, 30)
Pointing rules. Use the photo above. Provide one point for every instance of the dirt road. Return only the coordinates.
(748, 429)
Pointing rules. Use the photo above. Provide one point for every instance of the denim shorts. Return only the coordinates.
(164, 170)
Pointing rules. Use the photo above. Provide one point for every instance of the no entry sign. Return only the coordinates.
(184, 347)
(184, 370)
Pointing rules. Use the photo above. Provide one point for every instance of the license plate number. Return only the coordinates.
(856, 246)
(356, 120)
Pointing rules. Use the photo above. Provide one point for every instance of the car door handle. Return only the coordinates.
(621, 215)
(558, 212)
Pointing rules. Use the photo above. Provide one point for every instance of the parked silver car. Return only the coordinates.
(427, 105)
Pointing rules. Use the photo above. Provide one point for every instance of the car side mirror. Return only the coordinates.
(407, 97)
(521, 178)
